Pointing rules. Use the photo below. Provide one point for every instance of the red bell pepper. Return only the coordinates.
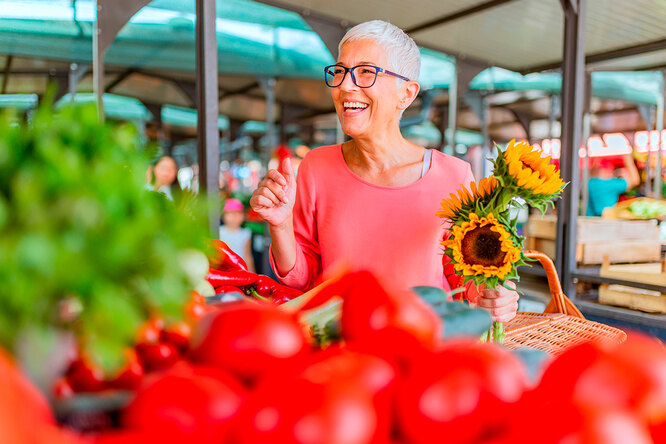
(225, 258)
(236, 278)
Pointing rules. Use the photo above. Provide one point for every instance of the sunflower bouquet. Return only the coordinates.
(484, 245)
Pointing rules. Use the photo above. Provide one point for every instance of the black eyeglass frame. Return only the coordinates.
(351, 71)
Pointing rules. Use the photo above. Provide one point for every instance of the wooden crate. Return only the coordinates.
(631, 297)
(634, 298)
(620, 240)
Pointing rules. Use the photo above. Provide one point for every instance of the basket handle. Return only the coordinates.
(559, 303)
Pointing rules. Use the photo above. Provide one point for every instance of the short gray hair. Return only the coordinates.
(403, 53)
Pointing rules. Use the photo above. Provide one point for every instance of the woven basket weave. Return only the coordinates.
(560, 326)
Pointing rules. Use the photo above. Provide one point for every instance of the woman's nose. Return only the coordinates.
(348, 83)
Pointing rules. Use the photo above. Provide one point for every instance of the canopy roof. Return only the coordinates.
(520, 35)
(637, 87)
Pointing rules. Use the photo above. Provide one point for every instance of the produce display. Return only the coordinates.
(251, 373)
(121, 286)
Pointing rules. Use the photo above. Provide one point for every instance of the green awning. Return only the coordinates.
(115, 107)
(19, 102)
(430, 133)
(187, 117)
(252, 38)
(437, 69)
(637, 87)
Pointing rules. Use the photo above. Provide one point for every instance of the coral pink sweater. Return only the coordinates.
(391, 231)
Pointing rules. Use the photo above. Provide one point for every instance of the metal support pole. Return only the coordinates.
(572, 116)
(76, 73)
(657, 192)
(98, 63)
(453, 112)
(647, 112)
(586, 137)
(208, 143)
(111, 16)
(555, 105)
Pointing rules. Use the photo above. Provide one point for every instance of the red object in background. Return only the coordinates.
(282, 153)
(130, 375)
(187, 404)
(85, 376)
(399, 323)
(463, 391)
(157, 356)
(224, 257)
(247, 339)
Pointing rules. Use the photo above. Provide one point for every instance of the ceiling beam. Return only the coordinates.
(307, 13)
(456, 15)
(626, 51)
(5, 78)
(241, 90)
(118, 80)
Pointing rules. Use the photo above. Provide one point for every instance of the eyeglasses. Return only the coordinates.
(363, 76)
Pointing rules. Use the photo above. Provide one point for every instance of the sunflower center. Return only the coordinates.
(482, 246)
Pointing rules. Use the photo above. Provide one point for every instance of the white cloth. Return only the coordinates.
(236, 239)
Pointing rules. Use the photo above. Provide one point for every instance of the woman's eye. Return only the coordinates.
(338, 71)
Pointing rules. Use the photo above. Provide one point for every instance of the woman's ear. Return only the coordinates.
(408, 93)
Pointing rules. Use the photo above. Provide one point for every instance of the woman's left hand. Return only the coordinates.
(502, 303)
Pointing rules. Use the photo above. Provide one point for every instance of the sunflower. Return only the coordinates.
(537, 181)
(482, 249)
(466, 200)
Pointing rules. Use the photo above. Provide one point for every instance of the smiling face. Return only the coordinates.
(367, 111)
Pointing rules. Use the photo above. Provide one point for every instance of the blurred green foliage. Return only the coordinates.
(79, 229)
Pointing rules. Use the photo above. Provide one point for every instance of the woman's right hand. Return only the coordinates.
(274, 199)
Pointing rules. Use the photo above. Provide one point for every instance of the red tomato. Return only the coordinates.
(194, 311)
(149, 332)
(299, 411)
(631, 376)
(186, 405)
(62, 389)
(178, 334)
(25, 415)
(157, 356)
(569, 423)
(85, 376)
(462, 391)
(247, 339)
(401, 322)
(130, 375)
(363, 372)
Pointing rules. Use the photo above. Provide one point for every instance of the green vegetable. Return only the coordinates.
(77, 223)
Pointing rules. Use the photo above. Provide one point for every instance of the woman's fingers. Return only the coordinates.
(288, 171)
(277, 177)
(501, 303)
(277, 190)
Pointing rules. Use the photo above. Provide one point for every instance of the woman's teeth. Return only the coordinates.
(354, 107)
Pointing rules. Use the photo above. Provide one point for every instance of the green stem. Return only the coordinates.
(498, 332)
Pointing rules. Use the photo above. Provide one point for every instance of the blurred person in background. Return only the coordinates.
(604, 188)
(233, 234)
(371, 202)
(163, 177)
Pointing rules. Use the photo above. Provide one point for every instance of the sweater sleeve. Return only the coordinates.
(454, 280)
(307, 269)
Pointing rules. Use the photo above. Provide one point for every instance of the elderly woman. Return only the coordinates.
(369, 203)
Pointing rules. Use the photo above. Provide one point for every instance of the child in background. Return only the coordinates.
(238, 238)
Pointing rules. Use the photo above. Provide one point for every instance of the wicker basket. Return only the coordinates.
(560, 326)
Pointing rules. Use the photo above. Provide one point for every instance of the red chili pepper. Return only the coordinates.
(225, 258)
(236, 278)
(228, 289)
